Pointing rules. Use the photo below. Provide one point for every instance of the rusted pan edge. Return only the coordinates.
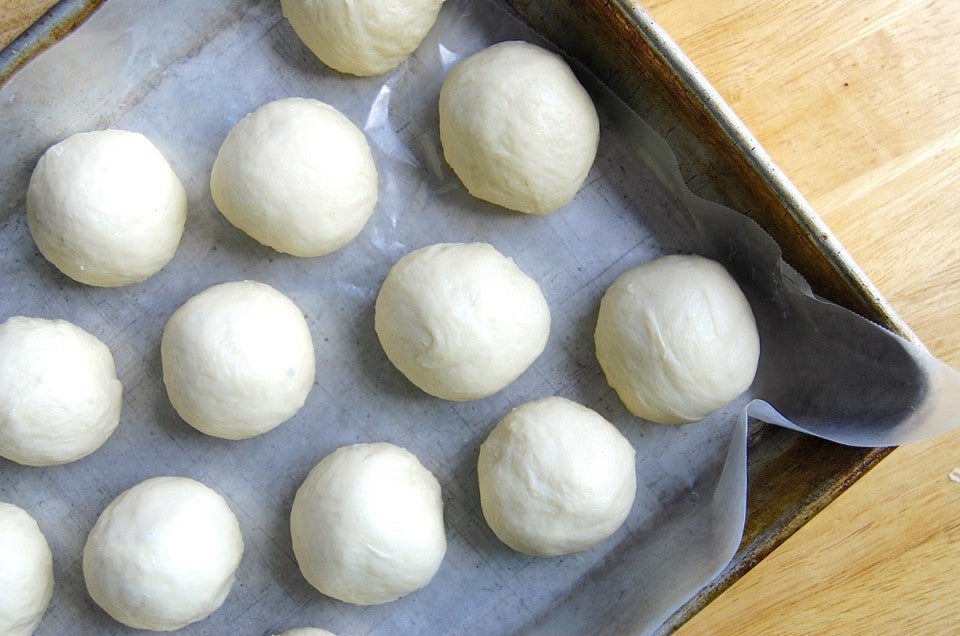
(60, 20)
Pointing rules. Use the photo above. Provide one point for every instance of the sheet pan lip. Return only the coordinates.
(56, 23)
(771, 174)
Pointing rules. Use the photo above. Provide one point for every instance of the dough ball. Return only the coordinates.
(555, 478)
(306, 631)
(367, 524)
(461, 320)
(237, 359)
(106, 208)
(296, 175)
(59, 393)
(676, 339)
(26, 573)
(362, 37)
(518, 128)
(163, 554)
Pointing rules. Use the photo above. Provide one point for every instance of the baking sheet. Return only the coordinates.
(183, 73)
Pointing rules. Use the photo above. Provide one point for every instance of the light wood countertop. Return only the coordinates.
(859, 102)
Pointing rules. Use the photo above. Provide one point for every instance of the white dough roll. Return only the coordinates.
(518, 128)
(238, 359)
(297, 176)
(26, 572)
(367, 524)
(60, 398)
(676, 339)
(461, 320)
(361, 37)
(106, 208)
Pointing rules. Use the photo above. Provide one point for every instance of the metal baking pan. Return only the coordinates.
(792, 476)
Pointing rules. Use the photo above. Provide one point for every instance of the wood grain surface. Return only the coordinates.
(859, 102)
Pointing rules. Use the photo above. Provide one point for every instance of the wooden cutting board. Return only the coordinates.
(859, 102)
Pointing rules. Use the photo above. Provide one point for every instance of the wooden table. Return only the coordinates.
(859, 102)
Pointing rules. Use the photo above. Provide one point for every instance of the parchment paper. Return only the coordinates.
(183, 73)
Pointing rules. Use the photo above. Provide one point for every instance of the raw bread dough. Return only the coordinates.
(367, 524)
(306, 631)
(163, 554)
(237, 359)
(296, 175)
(555, 478)
(59, 393)
(518, 128)
(106, 208)
(461, 320)
(676, 339)
(26, 572)
(362, 37)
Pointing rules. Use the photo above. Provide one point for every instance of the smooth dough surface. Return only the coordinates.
(60, 397)
(26, 572)
(555, 478)
(106, 208)
(461, 320)
(362, 37)
(306, 631)
(297, 176)
(238, 359)
(518, 128)
(367, 524)
(676, 339)
(163, 554)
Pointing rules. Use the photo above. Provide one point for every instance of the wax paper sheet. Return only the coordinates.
(183, 73)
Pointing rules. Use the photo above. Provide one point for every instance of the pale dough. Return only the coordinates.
(106, 208)
(362, 37)
(306, 631)
(555, 478)
(237, 359)
(518, 128)
(676, 339)
(163, 554)
(367, 524)
(26, 572)
(296, 175)
(461, 320)
(59, 393)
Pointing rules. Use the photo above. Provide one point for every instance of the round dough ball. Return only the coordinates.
(676, 339)
(306, 631)
(461, 320)
(297, 176)
(555, 478)
(518, 128)
(163, 554)
(367, 524)
(362, 37)
(106, 208)
(237, 359)
(26, 576)
(59, 393)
